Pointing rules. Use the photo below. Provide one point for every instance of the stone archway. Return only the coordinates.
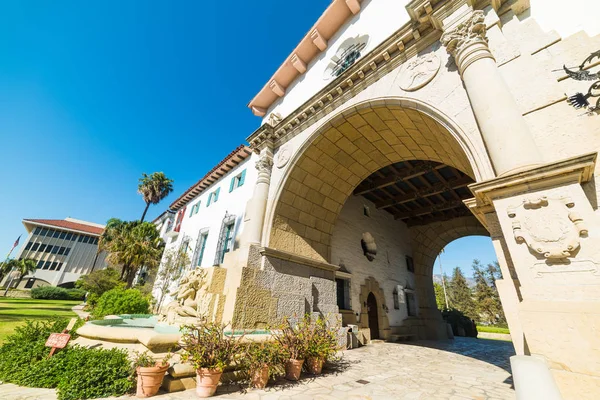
(342, 154)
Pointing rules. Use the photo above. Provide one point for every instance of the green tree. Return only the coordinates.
(484, 294)
(493, 273)
(439, 296)
(154, 188)
(131, 245)
(174, 262)
(22, 266)
(98, 282)
(461, 295)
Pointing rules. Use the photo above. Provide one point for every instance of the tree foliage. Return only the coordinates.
(154, 188)
(489, 307)
(131, 245)
(461, 295)
(98, 282)
(439, 296)
(119, 301)
(22, 266)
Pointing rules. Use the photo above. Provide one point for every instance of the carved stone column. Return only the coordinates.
(505, 133)
(257, 206)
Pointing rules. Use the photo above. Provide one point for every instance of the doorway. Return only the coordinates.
(373, 316)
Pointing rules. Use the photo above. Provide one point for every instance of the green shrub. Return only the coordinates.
(99, 282)
(120, 301)
(57, 293)
(461, 324)
(77, 372)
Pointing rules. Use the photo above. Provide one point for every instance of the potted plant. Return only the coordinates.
(209, 350)
(292, 339)
(260, 360)
(150, 373)
(321, 345)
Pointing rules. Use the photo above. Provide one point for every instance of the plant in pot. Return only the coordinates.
(150, 373)
(291, 337)
(261, 360)
(321, 344)
(209, 350)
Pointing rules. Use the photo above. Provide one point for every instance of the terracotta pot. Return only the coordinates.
(314, 365)
(149, 380)
(260, 377)
(207, 381)
(293, 369)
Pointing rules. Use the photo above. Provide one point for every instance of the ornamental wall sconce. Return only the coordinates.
(580, 100)
(385, 308)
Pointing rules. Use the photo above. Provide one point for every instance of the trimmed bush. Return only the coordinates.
(57, 293)
(120, 301)
(461, 324)
(77, 372)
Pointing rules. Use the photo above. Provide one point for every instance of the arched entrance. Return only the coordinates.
(373, 316)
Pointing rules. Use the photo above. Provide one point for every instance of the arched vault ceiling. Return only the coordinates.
(341, 156)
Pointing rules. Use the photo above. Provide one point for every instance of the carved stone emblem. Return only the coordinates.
(548, 226)
(283, 156)
(368, 245)
(419, 72)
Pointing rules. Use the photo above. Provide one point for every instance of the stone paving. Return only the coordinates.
(461, 369)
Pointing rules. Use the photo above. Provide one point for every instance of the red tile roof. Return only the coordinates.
(227, 164)
(75, 226)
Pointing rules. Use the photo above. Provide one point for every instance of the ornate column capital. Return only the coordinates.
(465, 40)
(264, 165)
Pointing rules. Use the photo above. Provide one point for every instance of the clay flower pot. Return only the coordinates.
(293, 369)
(207, 381)
(149, 379)
(260, 377)
(314, 365)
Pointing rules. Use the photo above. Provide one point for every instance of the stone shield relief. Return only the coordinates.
(549, 226)
(419, 72)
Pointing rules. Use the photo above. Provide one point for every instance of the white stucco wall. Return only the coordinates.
(377, 18)
(568, 18)
(210, 218)
(389, 265)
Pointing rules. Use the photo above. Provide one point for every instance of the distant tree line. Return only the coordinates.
(480, 303)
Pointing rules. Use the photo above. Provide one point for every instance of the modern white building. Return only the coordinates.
(63, 250)
(207, 219)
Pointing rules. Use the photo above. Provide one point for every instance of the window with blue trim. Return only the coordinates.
(237, 181)
(213, 197)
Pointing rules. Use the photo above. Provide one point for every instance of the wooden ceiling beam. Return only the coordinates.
(448, 215)
(428, 209)
(399, 175)
(424, 192)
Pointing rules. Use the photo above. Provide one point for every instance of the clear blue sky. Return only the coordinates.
(95, 93)
(461, 252)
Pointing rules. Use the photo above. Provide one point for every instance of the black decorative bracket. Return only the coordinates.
(580, 100)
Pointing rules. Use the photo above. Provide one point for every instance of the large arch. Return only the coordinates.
(348, 148)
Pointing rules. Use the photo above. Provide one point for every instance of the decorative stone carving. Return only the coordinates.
(264, 166)
(283, 156)
(419, 72)
(471, 30)
(369, 246)
(192, 301)
(548, 226)
(274, 119)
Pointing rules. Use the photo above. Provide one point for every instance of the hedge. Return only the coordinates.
(119, 301)
(57, 293)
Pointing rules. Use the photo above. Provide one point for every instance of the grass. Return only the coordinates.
(492, 329)
(14, 312)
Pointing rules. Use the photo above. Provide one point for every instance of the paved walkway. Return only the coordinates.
(78, 309)
(463, 369)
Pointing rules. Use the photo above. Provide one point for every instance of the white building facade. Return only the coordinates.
(63, 250)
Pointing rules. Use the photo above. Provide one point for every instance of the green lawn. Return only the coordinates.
(492, 329)
(14, 311)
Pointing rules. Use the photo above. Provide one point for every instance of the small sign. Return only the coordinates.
(72, 323)
(58, 340)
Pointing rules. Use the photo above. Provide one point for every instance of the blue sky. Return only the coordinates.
(95, 93)
(461, 252)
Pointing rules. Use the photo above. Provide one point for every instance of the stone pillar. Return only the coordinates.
(509, 143)
(551, 237)
(257, 206)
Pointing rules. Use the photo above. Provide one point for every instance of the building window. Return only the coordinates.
(192, 210)
(69, 235)
(47, 265)
(61, 251)
(410, 265)
(63, 235)
(44, 232)
(200, 246)
(59, 266)
(40, 264)
(67, 250)
(411, 305)
(35, 247)
(37, 230)
(225, 243)
(342, 290)
(55, 234)
(396, 298)
(28, 245)
(74, 237)
(55, 249)
(213, 197)
(42, 248)
(237, 181)
(53, 265)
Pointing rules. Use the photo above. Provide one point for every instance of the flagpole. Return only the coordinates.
(12, 269)
(443, 280)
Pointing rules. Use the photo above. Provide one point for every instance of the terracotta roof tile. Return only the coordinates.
(61, 223)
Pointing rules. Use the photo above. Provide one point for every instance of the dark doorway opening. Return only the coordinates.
(373, 317)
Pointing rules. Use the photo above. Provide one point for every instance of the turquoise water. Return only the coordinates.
(151, 322)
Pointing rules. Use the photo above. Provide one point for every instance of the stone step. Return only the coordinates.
(400, 337)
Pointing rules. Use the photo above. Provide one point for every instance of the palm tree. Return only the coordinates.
(25, 266)
(131, 245)
(154, 188)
